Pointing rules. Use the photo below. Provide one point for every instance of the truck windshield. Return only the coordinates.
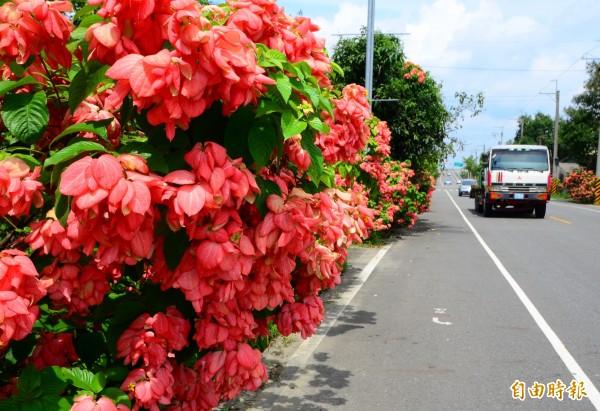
(504, 159)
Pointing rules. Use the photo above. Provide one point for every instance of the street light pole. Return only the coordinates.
(370, 47)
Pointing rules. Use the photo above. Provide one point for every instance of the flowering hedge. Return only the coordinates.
(175, 177)
(580, 185)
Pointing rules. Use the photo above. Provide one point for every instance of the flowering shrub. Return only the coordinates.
(580, 185)
(396, 191)
(414, 72)
(168, 177)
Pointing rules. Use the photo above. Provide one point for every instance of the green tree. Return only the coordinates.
(538, 129)
(579, 134)
(411, 104)
(472, 166)
(579, 138)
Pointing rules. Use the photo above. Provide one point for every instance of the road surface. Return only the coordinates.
(461, 313)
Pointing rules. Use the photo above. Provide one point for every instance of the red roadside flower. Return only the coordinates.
(19, 188)
(86, 402)
(20, 290)
(54, 349)
(150, 387)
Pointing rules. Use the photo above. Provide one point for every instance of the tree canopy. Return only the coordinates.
(578, 129)
(404, 96)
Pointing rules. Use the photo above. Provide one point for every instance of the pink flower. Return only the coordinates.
(349, 132)
(153, 338)
(19, 188)
(90, 180)
(54, 349)
(51, 238)
(74, 287)
(29, 27)
(150, 387)
(17, 316)
(229, 372)
(20, 290)
(296, 153)
(86, 402)
(302, 316)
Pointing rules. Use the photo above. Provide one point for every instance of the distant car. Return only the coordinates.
(465, 186)
(447, 182)
(448, 173)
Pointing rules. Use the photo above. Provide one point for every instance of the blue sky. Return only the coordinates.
(512, 51)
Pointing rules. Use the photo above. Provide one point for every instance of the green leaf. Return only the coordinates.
(73, 151)
(85, 82)
(312, 92)
(262, 141)
(20, 69)
(267, 106)
(290, 125)
(29, 383)
(10, 404)
(53, 380)
(316, 158)
(85, 11)
(118, 396)
(156, 161)
(62, 207)
(26, 115)
(82, 379)
(284, 86)
(97, 127)
(6, 86)
(99, 381)
(270, 58)
(176, 243)
(116, 373)
(236, 134)
(326, 104)
(267, 187)
(316, 123)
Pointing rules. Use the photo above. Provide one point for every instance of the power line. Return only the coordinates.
(500, 69)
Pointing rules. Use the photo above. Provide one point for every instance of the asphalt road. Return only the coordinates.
(453, 313)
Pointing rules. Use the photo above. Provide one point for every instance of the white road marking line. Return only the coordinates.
(592, 392)
(437, 321)
(590, 208)
(305, 350)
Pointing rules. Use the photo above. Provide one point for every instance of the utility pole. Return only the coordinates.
(555, 173)
(501, 135)
(370, 47)
(598, 156)
(555, 151)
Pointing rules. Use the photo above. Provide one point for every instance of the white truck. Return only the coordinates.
(514, 177)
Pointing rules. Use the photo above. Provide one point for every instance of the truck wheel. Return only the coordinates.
(540, 210)
(487, 209)
(478, 207)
